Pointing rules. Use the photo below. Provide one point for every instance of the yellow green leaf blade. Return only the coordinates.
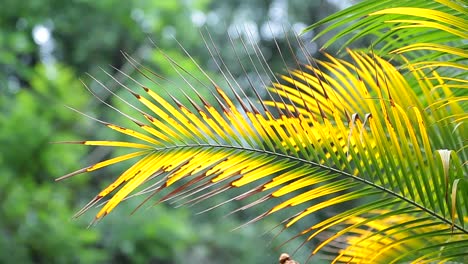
(109, 143)
(133, 133)
(425, 13)
(115, 160)
(434, 47)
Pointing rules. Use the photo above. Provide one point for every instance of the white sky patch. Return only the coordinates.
(212, 19)
(198, 18)
(342, 4)
(271, 30)
(169, 32)
(41, 34)
(298, 27)
(248, 30)
(251, 31)
(234, 31)
(311, 47)
(278, 11)
(137, 14)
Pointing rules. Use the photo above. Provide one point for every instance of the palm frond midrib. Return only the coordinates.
(329, 169)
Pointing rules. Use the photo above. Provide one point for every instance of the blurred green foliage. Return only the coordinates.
(46, 47)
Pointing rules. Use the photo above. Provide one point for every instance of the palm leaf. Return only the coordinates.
(353, 133)
(388, 138)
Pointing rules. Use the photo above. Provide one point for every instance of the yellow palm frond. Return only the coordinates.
(338, 131)
(385, 129)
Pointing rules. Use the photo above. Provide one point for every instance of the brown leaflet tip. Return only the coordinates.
(323, 115)
(105, 123)
(73, 173)
(136, 95)
(215, 86)
(117, 126)
(254, 110)
(67, 142)
(181, 188)
(177, 102)
(92, 223)
(256, 219)
(205, 103)
(146, 200)
(249, 193)
(146, 89)
(150, 118)
(90, 204)
(194, 104)
(98, 218)
(138, 123)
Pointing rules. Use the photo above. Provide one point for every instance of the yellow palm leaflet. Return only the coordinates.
(224, 127)
(133, 133)
(177, 115)
(116, 144)
(427, 13)
(198, 163)
(133, 177)
(232, 165)
(432, 64)
(312, 98)
(260, 130)
(333, 201)
(198, 123)
(297, 184)
(162, 137)
(166, 133)
(128, 174)
(261, 172)
(213, 125)
(288, 176)
(116, 160)
(434, 47)
(164, 116)
(237, 119)
(312, 194)
(297, 132)
(264, 122)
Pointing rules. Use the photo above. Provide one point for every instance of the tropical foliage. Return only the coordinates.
(378, 136)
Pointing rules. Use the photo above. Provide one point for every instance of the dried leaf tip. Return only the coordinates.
(286, 259)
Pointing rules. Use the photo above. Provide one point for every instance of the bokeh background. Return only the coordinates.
(47, 47)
